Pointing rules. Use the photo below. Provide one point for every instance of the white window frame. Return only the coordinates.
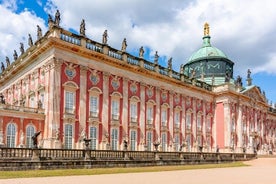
(30, 131)
(68, 136)
(94, 109)
(177, 119)
(133, 140)
(199, 122)
(188, 120)
(71, 88)
(114, 138)
(11, 135)
(93, 135)
(164, 141)
(149, 140)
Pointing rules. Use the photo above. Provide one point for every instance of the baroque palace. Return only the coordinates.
(71, 88)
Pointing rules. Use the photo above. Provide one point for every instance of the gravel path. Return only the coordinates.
(260, 171)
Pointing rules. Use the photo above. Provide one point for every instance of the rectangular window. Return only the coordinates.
(149, 141)
(208, 125)
(32, 102)
(93, 137)
(133, 112)
(132, 140)
(188, 121)
(149, 115)
(164, 117)
(199, 122)
(177, 119)
(42, 100)
(189, 142)
(69, 102)
(114, 139)
(177, 141)
(115, 109)
(94, 106)
(164, 142)
(68, 136)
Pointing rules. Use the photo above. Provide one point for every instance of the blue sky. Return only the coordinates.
(243, 30)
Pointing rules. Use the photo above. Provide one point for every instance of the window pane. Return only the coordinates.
(11, 130)
(133, 140)
(164, 142)
(149, 115)
(69, 102)
(93, 137)
(68, 136)
(29, 133)
(94, 106)
(114, 139)
(149, 141)
(115, 109)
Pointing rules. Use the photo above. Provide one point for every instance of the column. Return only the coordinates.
(171, 120)
(157, 115)
(194, 134)
(227, 125)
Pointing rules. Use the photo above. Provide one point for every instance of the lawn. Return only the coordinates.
(97, 171)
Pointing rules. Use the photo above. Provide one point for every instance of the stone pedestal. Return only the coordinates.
(35, 156)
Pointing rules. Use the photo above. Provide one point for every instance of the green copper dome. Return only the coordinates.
(206, 51)
(209, 64)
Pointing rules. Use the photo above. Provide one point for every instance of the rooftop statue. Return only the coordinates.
(170, 63)
(141, 52)
(156, 57)
(22, 48)
(227, 76)
(239, 81)
(39, 32)
(181, 69)
(206, 29)
(2, 66)
(15, 56)
(8, 61)
(30, 41)
(105, 36)
(57, 18)
(124, 45)
(248, 74)
(82, 27)
(50, 21)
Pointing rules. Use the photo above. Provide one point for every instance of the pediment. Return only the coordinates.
(254, 93)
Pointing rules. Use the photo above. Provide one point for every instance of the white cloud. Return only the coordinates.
(241, 29)
(14, 28)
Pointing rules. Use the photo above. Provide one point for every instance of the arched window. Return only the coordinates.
(68, 136)
(29, 133)
(11, 131)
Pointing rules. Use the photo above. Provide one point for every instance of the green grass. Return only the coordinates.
(97, 171)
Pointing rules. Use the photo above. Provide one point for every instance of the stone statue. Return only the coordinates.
(141, 52)
(82, 27)
(34, 138)
(105, 37)
(193, 74)
(125, 145)
(30, 41)
(57, 18)
(156, 57)
(39, 32)
(248, 74)
(39, 104)
(21, 142)
(15, 56)
(50, 21)
(213, 80)
(239, 81)
(227, 77)
(82, 135)
(124, 45)
(2, 99)
(2, 66)
(170, 63)
(22, 48)
(8, 61)
(181, 69)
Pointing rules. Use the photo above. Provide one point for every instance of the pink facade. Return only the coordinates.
(83, 89)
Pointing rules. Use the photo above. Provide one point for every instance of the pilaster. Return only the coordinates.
(142, 116)
(83, 97)
(105, 113)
